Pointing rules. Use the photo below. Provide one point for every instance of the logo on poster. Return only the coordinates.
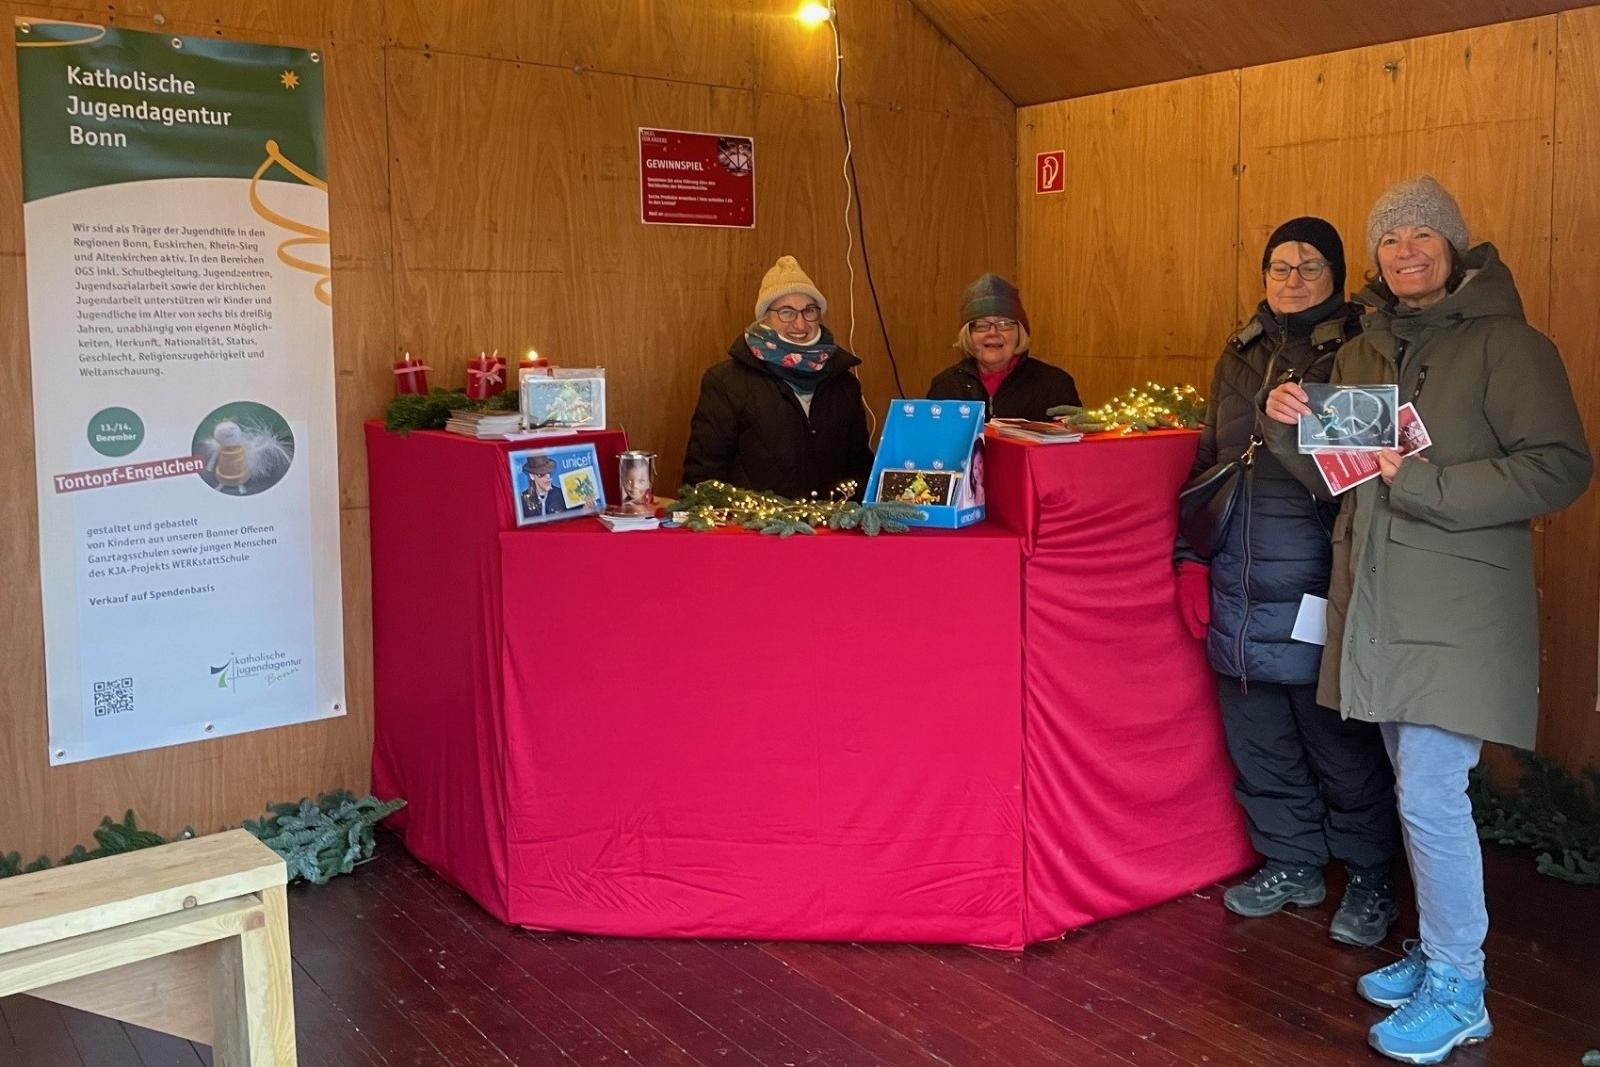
(271, 667)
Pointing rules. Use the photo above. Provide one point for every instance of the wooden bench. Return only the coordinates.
(190, 938)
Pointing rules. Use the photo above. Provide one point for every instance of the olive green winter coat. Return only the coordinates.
(1432, 613)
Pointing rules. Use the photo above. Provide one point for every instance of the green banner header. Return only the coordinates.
(102, 106)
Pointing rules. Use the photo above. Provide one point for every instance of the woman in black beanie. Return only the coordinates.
(1312, 785)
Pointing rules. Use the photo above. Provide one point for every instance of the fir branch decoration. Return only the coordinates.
(413, 411)
(324, 838)
(316, 839)
(110, 838)
(1553, 812)
(711, 504)
(1139, 410)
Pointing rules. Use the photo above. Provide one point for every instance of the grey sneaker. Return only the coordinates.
(1368, 909)
(1273, 886)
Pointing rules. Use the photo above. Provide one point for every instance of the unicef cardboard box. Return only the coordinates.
(931, 455)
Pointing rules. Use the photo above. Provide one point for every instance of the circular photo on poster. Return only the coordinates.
(248, 448)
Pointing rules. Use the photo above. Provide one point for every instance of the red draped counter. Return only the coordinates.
(985, 736)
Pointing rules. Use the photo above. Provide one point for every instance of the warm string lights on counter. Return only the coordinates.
(713, 504)
(1139, 410)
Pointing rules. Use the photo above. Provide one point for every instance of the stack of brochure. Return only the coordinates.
(1044, 433)
(618, 523)
(484, 423)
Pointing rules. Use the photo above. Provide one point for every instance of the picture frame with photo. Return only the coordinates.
(569, 399)
(561, 482)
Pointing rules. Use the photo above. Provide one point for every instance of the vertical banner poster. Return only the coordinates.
(179, 311)
(696, 179)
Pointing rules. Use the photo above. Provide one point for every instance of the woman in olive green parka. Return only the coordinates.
(1432, 613)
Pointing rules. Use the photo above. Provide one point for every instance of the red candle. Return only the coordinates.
(486, 377)
(410, 377)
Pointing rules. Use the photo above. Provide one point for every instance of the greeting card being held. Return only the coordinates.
(1342, 469)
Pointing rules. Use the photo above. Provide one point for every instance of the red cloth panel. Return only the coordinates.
(813, 738)
(438, 503)
(1128, 782)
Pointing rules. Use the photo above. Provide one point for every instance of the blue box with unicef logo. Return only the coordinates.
(931, 455)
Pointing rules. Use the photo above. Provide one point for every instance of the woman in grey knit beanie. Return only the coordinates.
(1432, 619)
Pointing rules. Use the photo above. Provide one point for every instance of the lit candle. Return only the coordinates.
(410, 377)
(486, 377)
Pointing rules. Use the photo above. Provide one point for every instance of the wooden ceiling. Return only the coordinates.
(1040, 50)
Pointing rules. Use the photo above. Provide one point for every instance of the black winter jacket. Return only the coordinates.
(1032, 387)
(750, 430)
(1277, 548)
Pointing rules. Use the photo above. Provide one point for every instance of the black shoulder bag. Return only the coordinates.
(1207, 502)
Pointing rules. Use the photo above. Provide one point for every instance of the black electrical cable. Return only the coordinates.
(855, 186)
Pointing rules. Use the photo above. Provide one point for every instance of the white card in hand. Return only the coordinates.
(1311, 622)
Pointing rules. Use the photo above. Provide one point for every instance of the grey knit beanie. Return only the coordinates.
(1418, 202)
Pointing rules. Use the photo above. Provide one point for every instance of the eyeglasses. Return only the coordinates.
(811, 313)
(985, 325)
(1310, 270)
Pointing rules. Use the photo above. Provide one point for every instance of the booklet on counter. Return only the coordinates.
(1344, 470)
(1044, 433)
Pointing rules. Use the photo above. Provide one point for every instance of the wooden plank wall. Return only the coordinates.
(1140, 269)
(483, 165)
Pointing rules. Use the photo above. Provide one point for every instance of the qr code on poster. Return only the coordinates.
(113, 697)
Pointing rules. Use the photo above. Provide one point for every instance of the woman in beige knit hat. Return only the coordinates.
(783, 412)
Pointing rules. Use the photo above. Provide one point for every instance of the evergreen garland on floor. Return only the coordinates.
(1552, 811)
(430, 411)
(317, 840)
(326, 838)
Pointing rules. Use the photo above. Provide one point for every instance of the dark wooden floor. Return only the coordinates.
(395, 967)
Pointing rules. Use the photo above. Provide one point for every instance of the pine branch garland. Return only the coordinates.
(1553, 811)
(1139, 410)
(711, 504)
(317, 840)
(430, 411)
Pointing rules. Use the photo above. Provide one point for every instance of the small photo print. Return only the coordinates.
(1361, 418)
(917, 487)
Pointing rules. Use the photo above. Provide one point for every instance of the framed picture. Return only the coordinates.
(574, 400)
(555, 483)
(1362, 418)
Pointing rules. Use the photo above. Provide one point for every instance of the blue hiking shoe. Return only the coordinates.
(1446, 1011)
(1392, 986)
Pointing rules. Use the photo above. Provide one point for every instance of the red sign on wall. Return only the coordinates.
(696, 179)
(1050, 171)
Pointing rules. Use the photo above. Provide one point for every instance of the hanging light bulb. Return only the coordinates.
(813, 14)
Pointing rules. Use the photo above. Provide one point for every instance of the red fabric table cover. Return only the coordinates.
(438, 502)
(1129, 796)
(986, 736)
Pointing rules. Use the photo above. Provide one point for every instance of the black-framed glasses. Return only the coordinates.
(985, 325)
(811, 313)
(1310, 270)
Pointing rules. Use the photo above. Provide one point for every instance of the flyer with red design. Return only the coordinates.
(1343, 469)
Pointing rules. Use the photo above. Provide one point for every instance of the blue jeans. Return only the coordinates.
(1430, 772)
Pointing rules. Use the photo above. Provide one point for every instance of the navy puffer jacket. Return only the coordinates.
(1277, 547)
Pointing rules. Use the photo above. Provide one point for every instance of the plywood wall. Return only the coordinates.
(482, 159)
(1144, 265)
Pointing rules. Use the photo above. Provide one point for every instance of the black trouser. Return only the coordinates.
(1312, 784)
